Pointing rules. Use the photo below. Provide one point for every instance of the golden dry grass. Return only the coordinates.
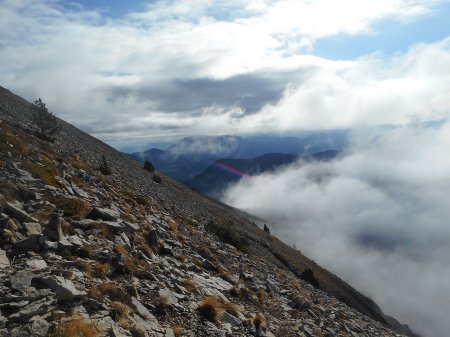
(262, 296)
(190, 284)
(127, 217)
(121, 250)
(147, 250)
(211, 308)
(119, 311)
(177, 330)
(232, 308)
(46, 173)
(72, 207)
(76, 327)
(111, 290)
(100, 269)
(173, 227)
(259, 322)
(235, 291)
(11, 143)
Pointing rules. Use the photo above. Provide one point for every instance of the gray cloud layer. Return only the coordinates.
(251, 92)
(178, 70)
(378, 217)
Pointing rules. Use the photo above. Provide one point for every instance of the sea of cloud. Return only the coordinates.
(378, 216)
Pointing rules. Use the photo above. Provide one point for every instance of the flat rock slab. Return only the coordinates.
(32, 228)
(105, 214)
(31, 243)
(64, 289)
(22, 280)
(141, 310)
(19, 214)
(145, 320)
(167, 293)
(212, 286)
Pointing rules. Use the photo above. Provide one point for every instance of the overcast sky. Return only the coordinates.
(139, 69)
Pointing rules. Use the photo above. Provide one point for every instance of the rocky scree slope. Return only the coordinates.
(87, 254)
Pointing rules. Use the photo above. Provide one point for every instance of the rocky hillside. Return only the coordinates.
(100, 247)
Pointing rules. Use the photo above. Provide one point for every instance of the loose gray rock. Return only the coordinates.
(32, 229)
(105, 214)
(169, 333)
(39, 307)
(228, 318)
(141, 310)
(36, 263)
(21, 280)
(167, 293)
(150, 324)
(64, 289)
(4, 261)
(30, 244)
(39, 327)
(19, 214)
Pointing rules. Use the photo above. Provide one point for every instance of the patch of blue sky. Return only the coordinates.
(114, 9)
(390, 37)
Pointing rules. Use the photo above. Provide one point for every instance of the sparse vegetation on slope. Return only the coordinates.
(132, 257)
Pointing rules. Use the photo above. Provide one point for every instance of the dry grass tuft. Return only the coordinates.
(262, 296)
(103, 230)
(111, 290)
(162, 305)
(46, 173)
(226, 275)
(232, 308)
(177, 330)
(190, 284)
(86, 251)
(173, 227)
(100, 269)
(211, 308)
(128, 217)
(76, 327)
(119, 311)
(12, 144)
(259, 322)
(121, 250)
(133, 266)
(147, 250)
(72, 207)
(235, 291)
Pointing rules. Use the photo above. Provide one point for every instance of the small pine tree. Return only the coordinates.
(157, 179)
(104, 167)
(308, 276)
(45, 121)
(148, 166)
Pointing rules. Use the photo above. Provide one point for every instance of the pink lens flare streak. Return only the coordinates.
(230, 169)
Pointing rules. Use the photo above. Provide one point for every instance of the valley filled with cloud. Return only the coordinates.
(377, 216)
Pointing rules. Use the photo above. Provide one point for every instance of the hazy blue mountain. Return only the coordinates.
(221, 173)
(191, 155)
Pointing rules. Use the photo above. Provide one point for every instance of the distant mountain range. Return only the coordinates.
(223, 172)
(189, 157)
